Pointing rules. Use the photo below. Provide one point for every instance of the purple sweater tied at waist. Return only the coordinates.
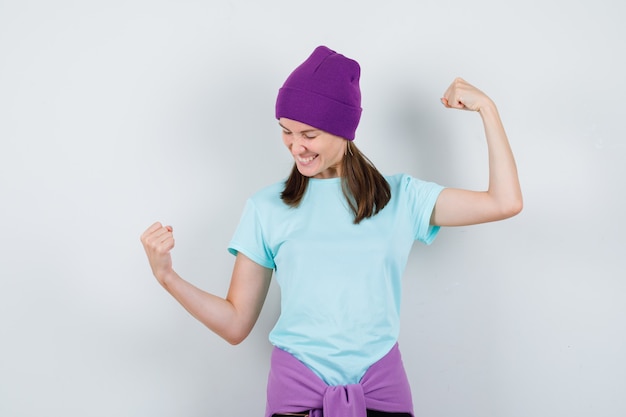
(293, 387)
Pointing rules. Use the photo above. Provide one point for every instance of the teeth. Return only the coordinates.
(305, 160)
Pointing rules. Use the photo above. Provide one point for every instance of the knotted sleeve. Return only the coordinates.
(293, 387)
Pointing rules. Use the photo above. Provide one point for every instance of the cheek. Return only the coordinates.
(339, 151)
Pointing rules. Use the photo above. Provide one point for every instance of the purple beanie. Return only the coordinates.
(323, 92)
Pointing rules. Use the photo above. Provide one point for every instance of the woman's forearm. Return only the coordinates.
(504, 186)
(216, 313)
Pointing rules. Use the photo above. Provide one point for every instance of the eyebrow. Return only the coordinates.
(304, 131)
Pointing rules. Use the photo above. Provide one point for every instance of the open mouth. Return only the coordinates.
(305, 161)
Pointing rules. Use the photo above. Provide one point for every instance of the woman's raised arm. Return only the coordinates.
(503, 198)
(232, 317)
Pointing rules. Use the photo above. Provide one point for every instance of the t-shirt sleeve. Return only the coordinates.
(422, 196)
(250, 239)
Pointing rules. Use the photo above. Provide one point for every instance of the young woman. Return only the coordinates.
(336, 235)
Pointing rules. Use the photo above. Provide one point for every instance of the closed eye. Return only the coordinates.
(306, 134)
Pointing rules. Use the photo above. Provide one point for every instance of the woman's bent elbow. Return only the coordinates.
(235, 341)
(236, 336)
(513, 208)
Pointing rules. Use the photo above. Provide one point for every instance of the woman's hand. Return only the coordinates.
(158, 241)
(464, 96)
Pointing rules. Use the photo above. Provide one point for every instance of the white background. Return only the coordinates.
(115, 114)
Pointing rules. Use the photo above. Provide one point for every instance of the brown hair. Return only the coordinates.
(365, 188)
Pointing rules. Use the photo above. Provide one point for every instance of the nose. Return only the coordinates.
(297, 144)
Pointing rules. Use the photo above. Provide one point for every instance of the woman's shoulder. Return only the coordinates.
(398, 180)
(403, 181)
(397, 177)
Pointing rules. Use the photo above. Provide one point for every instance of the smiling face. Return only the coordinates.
(317, 154)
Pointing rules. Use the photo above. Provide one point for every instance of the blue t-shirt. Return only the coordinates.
(340, 282)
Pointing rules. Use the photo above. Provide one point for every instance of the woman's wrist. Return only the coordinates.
(487, 108)
(167, 277)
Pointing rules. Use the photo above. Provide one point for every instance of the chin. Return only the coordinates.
(307, 173)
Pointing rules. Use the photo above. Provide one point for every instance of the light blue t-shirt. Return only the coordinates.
(340, 282)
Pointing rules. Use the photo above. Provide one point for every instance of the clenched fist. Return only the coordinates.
(158, 241)
(462, 95)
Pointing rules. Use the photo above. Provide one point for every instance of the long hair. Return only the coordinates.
(364, 187)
